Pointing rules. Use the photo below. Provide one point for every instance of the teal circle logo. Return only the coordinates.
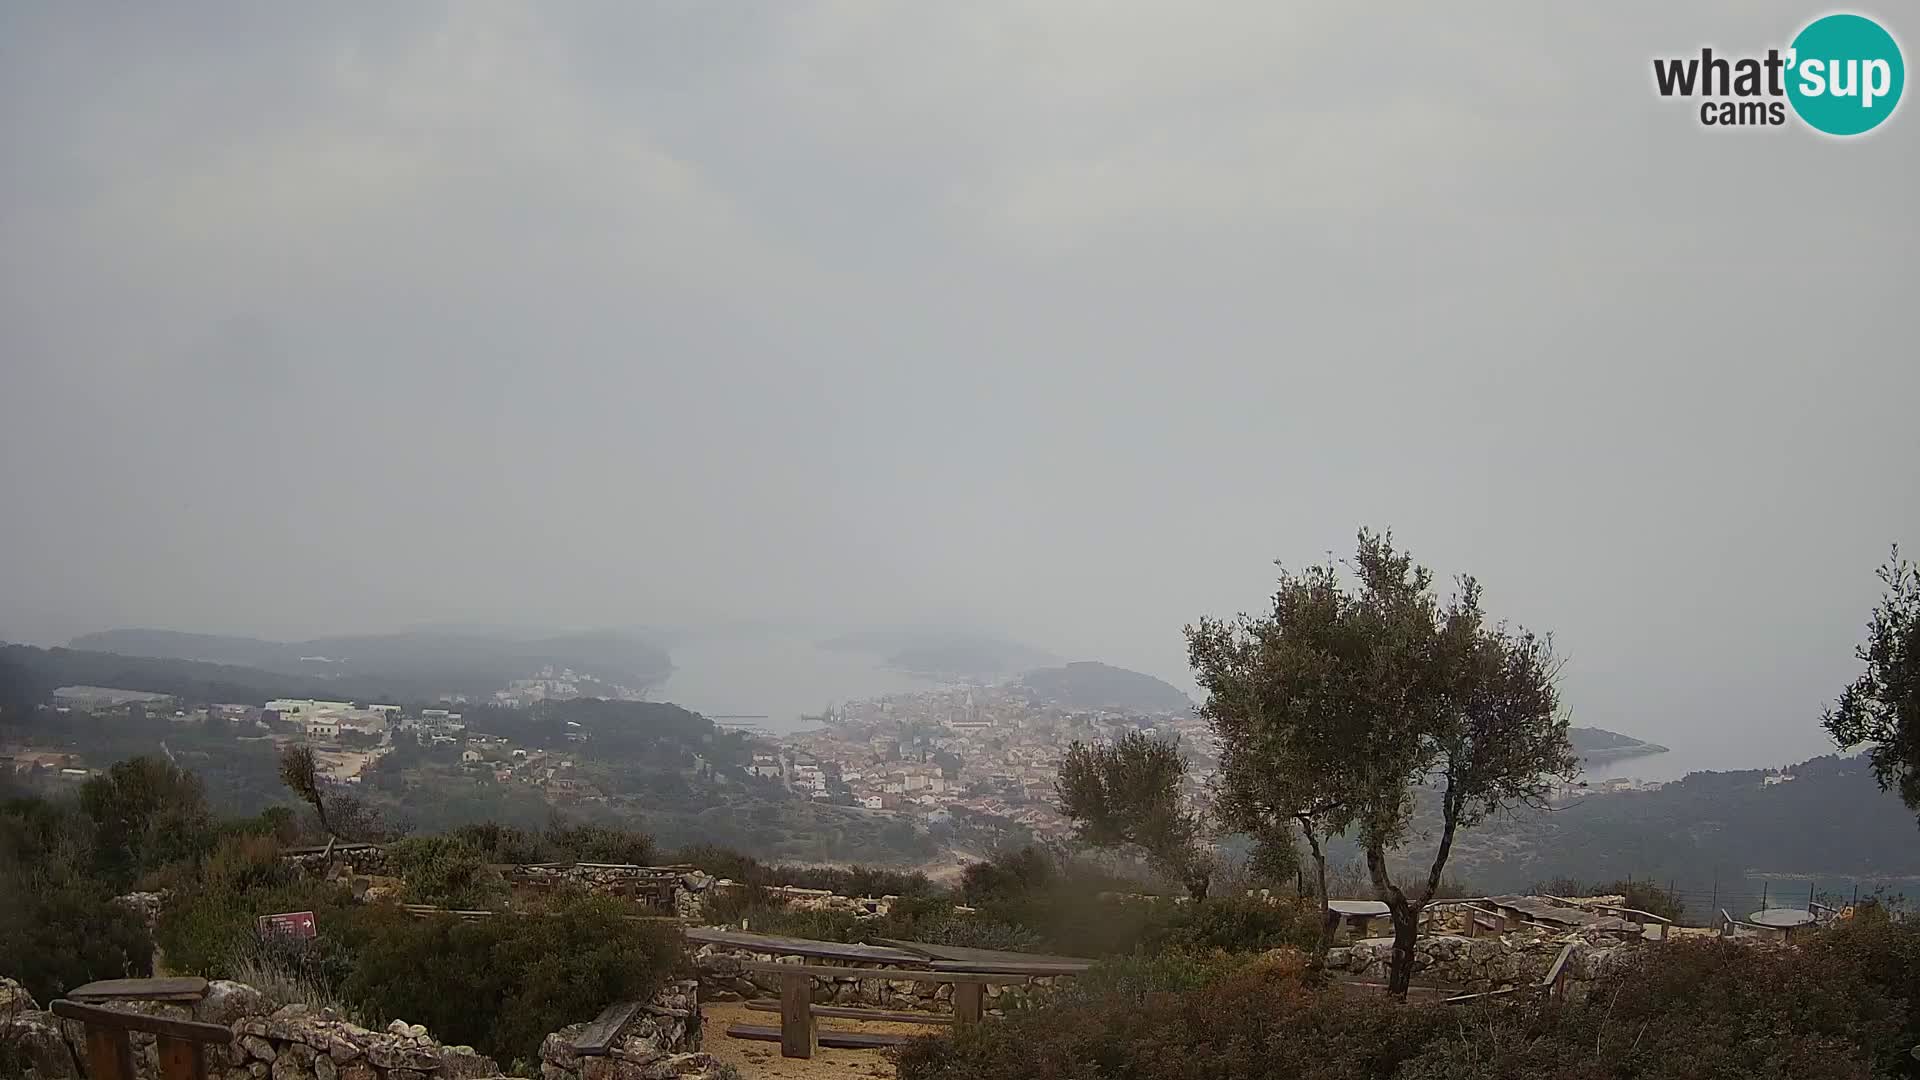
(1845, 75)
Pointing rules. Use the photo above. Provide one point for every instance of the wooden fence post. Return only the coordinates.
(109, 1054)
(180, 1059)
(796, 1015)
(969, 1002)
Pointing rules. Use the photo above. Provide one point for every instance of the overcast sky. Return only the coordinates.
(1064, 319)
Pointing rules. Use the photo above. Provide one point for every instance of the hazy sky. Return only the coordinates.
(1061, 318)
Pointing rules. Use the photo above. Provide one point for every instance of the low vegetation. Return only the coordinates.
(1837, 1010)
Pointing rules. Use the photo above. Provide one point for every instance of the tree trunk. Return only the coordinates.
(1406, 921)
(1318, 961)
(1406, 932)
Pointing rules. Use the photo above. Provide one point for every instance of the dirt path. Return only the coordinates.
(762, 1060)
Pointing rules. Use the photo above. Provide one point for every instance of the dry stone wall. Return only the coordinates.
(300, 1042)
(1490, 962)
(660, 1043)
(723, 977)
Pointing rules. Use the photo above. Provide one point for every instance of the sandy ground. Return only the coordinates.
(762, 1060)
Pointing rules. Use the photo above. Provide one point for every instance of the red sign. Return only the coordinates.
(293, 924)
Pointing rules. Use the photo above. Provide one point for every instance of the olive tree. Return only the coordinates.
(1351, 702)
(1881, 708)
(1126, 794)
(1277, 697)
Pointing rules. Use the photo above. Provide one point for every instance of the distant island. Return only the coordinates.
(1599, 744)
(1090, 685)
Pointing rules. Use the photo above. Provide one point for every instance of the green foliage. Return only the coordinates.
(1007, 875)
(59, 926)
(146, 812)
(1337, 706)
(208, 931)
(445, 871)
(1133, 977)
(507, 844)
(1883, 955)
(874, 881)
(1641, 895)
(519, 976)
(1126, 793)
(1238, 924)
(1690, 1009)
(602, 843)
(1881, 708)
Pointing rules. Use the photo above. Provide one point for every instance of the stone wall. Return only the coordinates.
(690, 889)
(661, 1042)
(1489, 962)
(346, 860)
(723, 978)
(299, 1042)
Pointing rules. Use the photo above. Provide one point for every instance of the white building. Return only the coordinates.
(302, 708)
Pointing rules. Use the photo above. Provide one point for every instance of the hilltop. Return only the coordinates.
(1824, 818)
(943, 653)
(417, 664)
(1088, 684)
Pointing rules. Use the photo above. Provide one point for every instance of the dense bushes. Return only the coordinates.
(1008, 874)
(501, 984)
(445, 871)
(1237, 924)
(1689, 1009)
(925, 918)
(559, 842)
(58, 933)
(850, 881)
(210, 925)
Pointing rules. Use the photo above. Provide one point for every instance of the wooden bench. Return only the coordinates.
(110, 1053)
(186, 988)
(798, 1034)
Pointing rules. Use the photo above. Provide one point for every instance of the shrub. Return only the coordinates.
(445, 871)
(602, 843)
(519, 976)
(1238, 924)
(850, 881)
(146, 812)
(210, 931)
(1134, 978)
(1688, 1009)
(59, 926)
(506, 843)
(64, 933)
(1884, 955)
(1007, 875)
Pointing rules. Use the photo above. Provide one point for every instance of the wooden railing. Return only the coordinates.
(110, 1053)
(1635, 916)
(1730, 926)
